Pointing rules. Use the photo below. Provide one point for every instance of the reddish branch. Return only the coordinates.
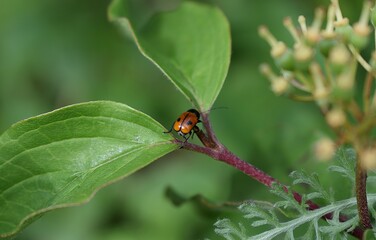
(216, 150)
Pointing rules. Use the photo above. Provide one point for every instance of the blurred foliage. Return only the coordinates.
(56, 53)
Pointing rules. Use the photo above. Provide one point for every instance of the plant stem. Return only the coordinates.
(361, 195)
(221, 153)
(216, 150)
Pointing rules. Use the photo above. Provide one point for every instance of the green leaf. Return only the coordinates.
(229, 230)
(266, 215)
(62, 158)
(190, 45)
(345, 158)
(312, 180)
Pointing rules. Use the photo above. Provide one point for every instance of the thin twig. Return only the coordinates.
(360, 59)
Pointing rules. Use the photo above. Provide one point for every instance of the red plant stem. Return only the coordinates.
(222, 154)
(216, 150)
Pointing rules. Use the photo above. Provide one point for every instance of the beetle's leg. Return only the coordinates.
(187, 137)
(170, 129)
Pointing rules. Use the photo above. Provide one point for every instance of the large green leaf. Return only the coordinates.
(62, 158)
(191, 45)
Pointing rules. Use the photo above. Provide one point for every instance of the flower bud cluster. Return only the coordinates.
(321, 65)
(322, 59)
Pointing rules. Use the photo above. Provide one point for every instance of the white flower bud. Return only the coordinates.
(368, 159)
(336, 118)
(324, 149)
(279, 85)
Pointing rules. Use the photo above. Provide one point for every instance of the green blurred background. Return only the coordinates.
(55, 53)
